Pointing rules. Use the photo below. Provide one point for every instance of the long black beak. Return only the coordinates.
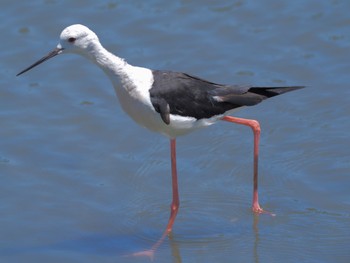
(52, 54)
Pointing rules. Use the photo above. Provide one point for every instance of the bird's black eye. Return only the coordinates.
(71, 39)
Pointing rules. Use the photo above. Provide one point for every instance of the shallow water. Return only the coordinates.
(82, 183)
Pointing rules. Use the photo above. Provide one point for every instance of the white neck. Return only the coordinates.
(112, 65)
(135, 81)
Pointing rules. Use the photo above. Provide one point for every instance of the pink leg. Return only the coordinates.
(256, 130)
(175, 204)
(174, 207)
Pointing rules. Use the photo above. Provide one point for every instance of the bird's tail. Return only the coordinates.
(269, 92)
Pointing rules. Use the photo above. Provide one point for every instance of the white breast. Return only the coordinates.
(133, 94)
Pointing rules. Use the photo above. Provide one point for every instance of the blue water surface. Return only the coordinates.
(80, 182)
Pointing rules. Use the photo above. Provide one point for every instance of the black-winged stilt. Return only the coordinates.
(167, 102)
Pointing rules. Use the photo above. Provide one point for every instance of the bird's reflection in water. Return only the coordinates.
(256, 239)
(175, 250)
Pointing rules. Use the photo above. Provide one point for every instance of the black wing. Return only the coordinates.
(185, 95)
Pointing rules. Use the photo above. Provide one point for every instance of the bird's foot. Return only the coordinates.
(258, 210)
(146, 253)
(152, 251)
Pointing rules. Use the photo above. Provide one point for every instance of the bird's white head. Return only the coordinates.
(73, 39)
(77, 39)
